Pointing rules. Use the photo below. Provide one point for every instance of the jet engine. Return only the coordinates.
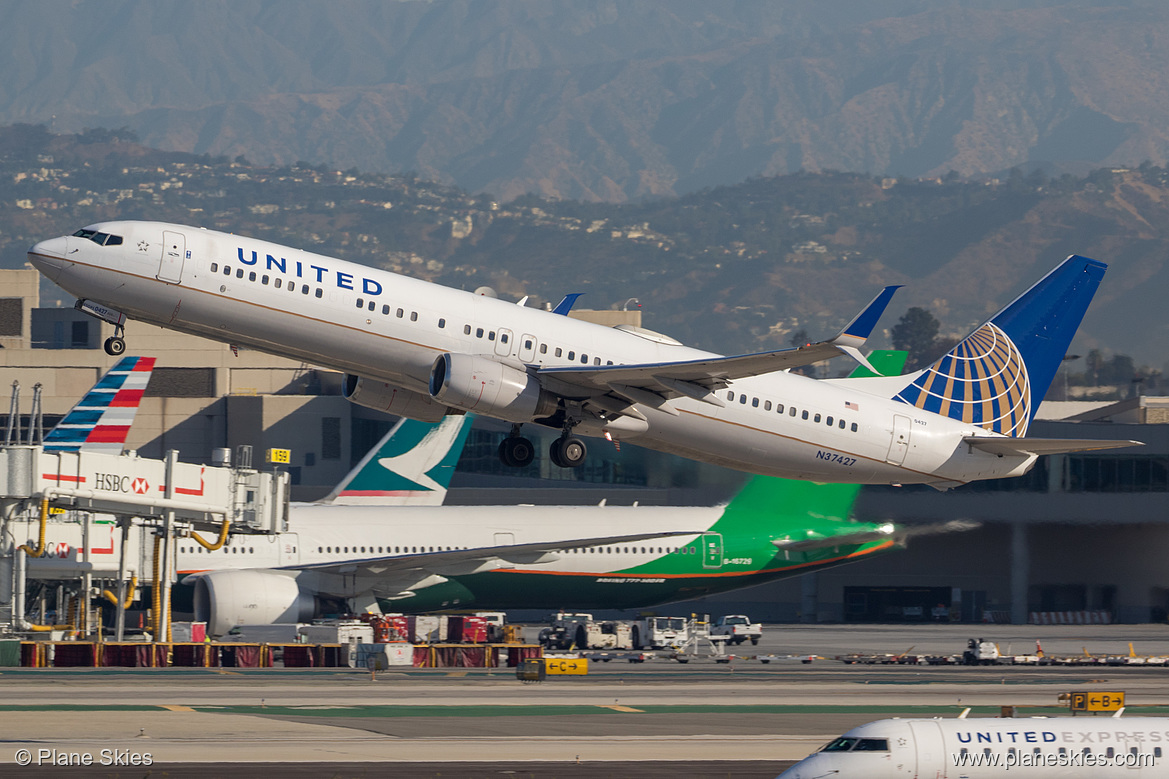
(224, 599)
(379, 395)
(483, 385)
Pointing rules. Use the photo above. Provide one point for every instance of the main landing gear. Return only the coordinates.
(516, 451)
(115, 345)
(567, 451)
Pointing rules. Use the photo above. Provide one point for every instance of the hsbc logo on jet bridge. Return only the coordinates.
(116, 482)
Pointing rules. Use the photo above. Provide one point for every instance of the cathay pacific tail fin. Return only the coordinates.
(411, 466)
(101, 420)
(997, 376)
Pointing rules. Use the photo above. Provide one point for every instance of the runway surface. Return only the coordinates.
(660, 718)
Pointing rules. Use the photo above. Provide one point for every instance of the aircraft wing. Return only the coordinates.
(654, 384)
(465, 560)
(1026, 446)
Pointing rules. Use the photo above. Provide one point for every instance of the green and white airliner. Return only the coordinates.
(417, 558)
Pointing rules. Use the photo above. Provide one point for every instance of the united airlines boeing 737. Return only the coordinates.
(421, 350)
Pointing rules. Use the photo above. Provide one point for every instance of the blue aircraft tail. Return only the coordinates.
(411, 466)
(997, 377)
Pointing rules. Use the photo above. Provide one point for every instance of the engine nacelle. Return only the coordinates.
(379, 395)
(224, 599)
(475, 383)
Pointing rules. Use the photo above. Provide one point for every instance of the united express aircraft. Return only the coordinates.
(1039, 747)
(421, 350)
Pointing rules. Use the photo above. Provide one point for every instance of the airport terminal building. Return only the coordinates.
(1079, 537)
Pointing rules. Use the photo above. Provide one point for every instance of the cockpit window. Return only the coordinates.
(840, 745)
(101, 239)
(872, 745)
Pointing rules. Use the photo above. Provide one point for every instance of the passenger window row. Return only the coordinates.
(387, 309)
(226, 549)
(277, 283)
(619, 550)
(384, 549)
(1109, 752)
(830, 421)
(528, 344)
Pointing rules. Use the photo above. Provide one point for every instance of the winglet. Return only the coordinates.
(565, 305)
(855, 333)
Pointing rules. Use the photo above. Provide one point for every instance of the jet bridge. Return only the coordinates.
(87, 519)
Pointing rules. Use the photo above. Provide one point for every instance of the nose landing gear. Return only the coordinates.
(115, 345)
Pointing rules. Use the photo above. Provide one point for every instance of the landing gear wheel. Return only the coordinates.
(568, 452)
(573, 452)
(516, 452)
(115, 346)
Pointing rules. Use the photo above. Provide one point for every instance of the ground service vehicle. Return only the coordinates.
(660, 633)
(737, 629)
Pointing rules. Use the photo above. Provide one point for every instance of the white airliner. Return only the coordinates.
(421, 350)
(1039, 747)
(334, 557)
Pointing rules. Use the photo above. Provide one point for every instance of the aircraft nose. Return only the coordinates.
(48, 256)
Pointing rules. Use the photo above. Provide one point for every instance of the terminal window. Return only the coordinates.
(181, 383)
(330, 438)
(11, 316)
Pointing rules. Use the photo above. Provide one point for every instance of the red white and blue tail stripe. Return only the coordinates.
(101, 421)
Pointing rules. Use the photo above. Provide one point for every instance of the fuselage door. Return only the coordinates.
(289, 549)
(174, 253)
(527, 348)
(712, 550)
(900, 443)
(503, 342)
(928, 746)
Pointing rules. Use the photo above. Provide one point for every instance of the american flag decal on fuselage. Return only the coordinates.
(101, 421)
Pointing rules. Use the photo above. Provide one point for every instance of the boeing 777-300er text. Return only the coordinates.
(421, 350)
(1038, 747)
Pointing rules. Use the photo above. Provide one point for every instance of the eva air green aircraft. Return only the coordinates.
(416, 558)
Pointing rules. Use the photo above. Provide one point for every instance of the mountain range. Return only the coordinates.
(609, 100)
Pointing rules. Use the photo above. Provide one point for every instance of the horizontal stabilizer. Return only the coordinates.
(898, 534)
(1021, 447)
(882, 533)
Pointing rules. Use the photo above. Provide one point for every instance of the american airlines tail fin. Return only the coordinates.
(101, 420)
(997, 377)
(411, 466)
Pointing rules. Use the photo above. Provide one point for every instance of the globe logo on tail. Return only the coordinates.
(981, 381)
